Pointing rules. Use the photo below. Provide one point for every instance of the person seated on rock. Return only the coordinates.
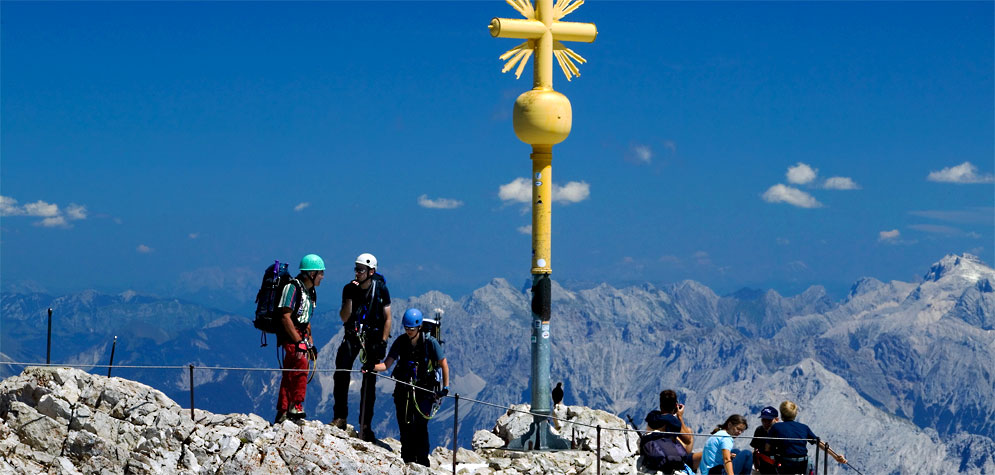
(763, 458)
(418, 356)
(666, 431)
(670, 418)
(719, 456)
(788, 442)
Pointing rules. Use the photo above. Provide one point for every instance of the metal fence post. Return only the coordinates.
(599, 451)
(825, 461)
(817, 447)
(111, 365)
(48, 347)
(455, 429)
(191, 393)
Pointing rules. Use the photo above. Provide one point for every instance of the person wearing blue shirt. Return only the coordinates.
(719, 456)
(788, 442)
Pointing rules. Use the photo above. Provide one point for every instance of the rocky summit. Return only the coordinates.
(66, 421)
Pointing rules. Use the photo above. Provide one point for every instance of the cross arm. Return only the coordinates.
(534, 29)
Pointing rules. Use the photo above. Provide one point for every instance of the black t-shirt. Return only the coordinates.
(367, 304)
(758, 443)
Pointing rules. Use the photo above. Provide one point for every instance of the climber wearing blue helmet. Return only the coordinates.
(418, 358)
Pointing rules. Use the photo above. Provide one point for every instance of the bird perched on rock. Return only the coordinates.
(558, 394)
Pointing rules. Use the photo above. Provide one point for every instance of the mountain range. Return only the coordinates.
(896, 375)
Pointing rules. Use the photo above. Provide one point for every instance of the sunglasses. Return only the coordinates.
(360, 270)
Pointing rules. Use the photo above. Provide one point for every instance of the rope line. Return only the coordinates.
(213, 368)
(509, 408)
(397, 381)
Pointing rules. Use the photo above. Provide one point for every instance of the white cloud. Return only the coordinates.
(572, 192)
(301, 206)
(703, 258)
(801, 174)
(75, 211)
(440, 203)
(670, 259)
(892, 235)
(193, 235)
(642, 153)
(840, 183)
(52, 222)
(797, 266)
(964, 173)
(782, 241)
(982, 214)
(527, 229)
(792, 196)
(8, 207)
(52, 216)
(41, 209)
(142, 248)
(936, 229)
(520, 190)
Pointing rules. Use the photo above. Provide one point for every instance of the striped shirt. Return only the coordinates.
(307, 306)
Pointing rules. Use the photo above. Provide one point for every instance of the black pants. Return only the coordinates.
(414, 427)
(763, 467)
(786, 467)
(344, 359)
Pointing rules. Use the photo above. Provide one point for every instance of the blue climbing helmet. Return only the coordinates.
(412, 318)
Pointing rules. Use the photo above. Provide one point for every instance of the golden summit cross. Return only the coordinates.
(544, 34)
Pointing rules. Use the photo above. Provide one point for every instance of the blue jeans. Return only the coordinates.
(742, 463)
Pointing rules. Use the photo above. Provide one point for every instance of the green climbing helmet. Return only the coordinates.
(312, 262)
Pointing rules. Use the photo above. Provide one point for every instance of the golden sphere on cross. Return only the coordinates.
(542, 117)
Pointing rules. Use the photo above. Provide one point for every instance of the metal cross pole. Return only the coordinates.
(542, 118)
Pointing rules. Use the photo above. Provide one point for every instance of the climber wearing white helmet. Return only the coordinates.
(365, 314)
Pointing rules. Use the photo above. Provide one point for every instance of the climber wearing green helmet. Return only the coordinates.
(297, 303)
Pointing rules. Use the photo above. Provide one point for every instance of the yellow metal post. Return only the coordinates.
(542, 191)
(542, 118)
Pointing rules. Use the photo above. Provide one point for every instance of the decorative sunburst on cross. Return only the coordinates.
(535, 27)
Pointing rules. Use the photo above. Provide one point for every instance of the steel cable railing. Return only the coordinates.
(456, 397)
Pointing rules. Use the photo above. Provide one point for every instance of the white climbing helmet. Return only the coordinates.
(367, 259)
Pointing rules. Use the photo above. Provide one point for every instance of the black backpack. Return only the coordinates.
(661, 452)
(268, 299)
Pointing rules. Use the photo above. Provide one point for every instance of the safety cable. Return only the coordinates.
(416, 388)
(213, 368)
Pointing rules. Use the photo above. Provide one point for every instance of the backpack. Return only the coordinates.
(662, 452)
(268, 320)
(433, 326)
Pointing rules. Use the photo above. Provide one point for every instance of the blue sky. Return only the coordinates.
(171, 146)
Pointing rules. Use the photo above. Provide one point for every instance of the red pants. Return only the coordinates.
(293, 386)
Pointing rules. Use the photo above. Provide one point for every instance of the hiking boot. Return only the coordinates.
(296, 414)
(281, 416)
(367, 435)
(339, 422)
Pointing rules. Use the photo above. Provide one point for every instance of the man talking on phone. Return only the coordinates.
(670, 418)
